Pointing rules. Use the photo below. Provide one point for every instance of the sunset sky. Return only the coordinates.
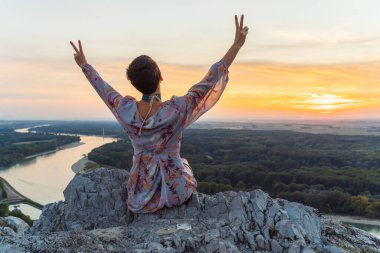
(303, 59)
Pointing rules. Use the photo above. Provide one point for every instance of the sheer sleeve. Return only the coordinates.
(109, 95)
(204, 95)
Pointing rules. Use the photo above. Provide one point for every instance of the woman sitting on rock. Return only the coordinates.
(159, 176)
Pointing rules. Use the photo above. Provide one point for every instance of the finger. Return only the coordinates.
(75, 48)
(236, 23)
(80, 46)
(241, 21)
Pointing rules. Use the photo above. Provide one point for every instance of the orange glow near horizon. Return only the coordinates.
(326, 103)
(310, 91)
(255, 90)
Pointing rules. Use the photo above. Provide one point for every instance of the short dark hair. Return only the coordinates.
(144, 74)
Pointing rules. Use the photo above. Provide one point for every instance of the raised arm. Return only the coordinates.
(240, 35)
(109, 95)
(204, 95)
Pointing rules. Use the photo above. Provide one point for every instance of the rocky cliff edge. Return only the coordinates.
(93, 218)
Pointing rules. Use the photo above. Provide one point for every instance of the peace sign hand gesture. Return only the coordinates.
(79, 57)
(240, 33)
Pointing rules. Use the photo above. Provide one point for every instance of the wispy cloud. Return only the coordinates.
(302, 39)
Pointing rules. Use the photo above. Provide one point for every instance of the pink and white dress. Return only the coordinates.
(159, 176)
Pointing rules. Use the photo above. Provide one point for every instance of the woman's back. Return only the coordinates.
(144, 109)
(159, 176)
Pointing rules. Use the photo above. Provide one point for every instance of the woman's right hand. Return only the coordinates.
(79, 57)
(240, 35)
(240, 32)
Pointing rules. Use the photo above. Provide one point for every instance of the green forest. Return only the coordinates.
(14, 147)
(334, 173)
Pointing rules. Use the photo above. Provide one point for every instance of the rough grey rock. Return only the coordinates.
(92, 200)
(260, 241)
(9, 248)
(15, 224)
(275, 246)
(7, 231)
(93, 219)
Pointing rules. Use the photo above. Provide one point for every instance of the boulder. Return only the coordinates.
(17, 225)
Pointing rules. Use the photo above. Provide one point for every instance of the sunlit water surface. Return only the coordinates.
(44, 177)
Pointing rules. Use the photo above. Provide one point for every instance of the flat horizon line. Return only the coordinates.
(210, 121)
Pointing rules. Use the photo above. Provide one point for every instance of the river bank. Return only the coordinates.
(70, 145)
(81, 165)
(354, 219)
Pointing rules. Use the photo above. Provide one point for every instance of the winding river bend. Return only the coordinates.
(44, 177)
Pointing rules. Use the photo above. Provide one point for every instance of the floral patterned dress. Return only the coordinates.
(159, 176)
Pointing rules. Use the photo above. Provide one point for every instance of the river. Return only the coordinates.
(43, 178)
